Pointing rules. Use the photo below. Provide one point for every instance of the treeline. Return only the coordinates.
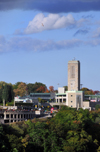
(88, 91)
(69, 131)
(8, 90)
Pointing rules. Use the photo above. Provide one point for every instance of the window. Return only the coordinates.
(7, 116)
(71, 95)
(71, 106)
(60, 100)
(64, 100)
(71, 101)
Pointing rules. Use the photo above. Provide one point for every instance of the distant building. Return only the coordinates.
(9, 116)
(73, 97)
(33, 97)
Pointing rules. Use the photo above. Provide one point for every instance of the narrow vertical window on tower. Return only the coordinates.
(72, 72)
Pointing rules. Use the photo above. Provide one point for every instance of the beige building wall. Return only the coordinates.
(75, 99)
(71, 100)
(86, 104)
(73, 75)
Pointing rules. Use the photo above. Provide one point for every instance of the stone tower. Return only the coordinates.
(73, 75)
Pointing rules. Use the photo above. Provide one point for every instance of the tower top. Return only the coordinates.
(74, 61)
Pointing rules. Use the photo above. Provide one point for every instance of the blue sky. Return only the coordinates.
(39, 37)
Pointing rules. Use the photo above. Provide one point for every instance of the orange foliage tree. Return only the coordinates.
(41, 89)
(21, 90)
(51, 88)
(47, 91)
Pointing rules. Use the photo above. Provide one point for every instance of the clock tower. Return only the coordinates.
(73, 75)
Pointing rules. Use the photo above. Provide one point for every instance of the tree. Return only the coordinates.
(36, 88)
(10, 93)
(47, 91)
(78, 141)
(88, 91)
(5, 94)
(1, 91)
(41, 89)
(97, 106)
(96, 92)
(51, 88)
(66, 88)
(85, 89)
(21, 90)
(30, 88)
(15, 86)
(15, 142)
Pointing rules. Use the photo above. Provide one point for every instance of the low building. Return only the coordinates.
(9, 116)
(34, 97)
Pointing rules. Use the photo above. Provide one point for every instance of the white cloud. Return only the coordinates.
(29, 44)
(52, 21)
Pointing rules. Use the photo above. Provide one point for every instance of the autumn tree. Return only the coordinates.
(96, 92)
(21, 90)
(15, 86)
(87, 91)
(47, 91)
(41, 89)
(51, 88)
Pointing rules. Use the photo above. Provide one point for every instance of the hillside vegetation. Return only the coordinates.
(69, 131)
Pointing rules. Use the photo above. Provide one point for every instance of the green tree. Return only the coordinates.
(66, 88)
(5, 93)
(30, 88)
(36, 87)
(97, 106)
(1, 90)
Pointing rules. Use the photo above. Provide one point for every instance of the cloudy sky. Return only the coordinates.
(39, 37)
